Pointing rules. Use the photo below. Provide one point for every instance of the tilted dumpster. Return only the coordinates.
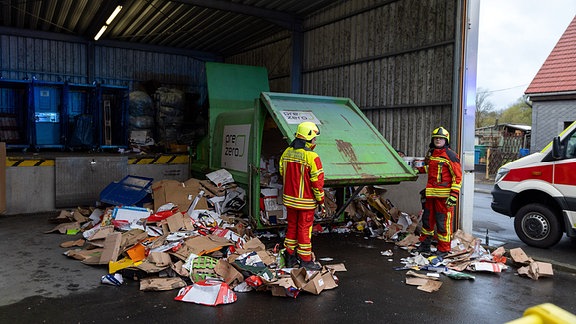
(250, 127)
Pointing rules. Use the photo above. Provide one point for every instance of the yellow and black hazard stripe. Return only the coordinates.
(18, 162)
(162, 159)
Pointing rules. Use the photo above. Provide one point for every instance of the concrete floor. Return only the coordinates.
(39, 284)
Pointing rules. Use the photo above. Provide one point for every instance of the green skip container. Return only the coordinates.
(250, 127)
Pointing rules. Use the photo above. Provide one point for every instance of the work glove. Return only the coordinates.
(451, 201)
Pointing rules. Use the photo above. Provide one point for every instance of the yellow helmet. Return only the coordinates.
(307, 131)
(442, 133)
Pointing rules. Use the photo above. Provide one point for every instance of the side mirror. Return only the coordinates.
(556, 148)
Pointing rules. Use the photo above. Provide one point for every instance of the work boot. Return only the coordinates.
(290, 259)
(424, 247)
(310, 265)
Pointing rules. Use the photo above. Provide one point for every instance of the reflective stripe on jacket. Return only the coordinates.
(444, 174)
(303, 178)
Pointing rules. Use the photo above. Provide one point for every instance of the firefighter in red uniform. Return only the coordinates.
(442, 192)
(303, 180)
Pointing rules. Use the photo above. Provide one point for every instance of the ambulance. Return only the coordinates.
(539, 191)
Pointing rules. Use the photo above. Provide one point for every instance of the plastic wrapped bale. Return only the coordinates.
(141, 122)
(169, 97)
(169, 117)
(140, 104)
(170, 113)
(168, 135)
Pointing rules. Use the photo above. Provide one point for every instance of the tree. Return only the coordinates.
(484, 108)
(518, 113)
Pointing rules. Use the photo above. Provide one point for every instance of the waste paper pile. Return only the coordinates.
(194, 238)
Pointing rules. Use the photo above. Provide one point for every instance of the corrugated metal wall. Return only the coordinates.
(53, 60)
(119, 66)
(394, 59)
(47, 60)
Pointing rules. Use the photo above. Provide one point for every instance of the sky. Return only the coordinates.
(515, 37)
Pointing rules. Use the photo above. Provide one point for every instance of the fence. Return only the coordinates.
(508, 152)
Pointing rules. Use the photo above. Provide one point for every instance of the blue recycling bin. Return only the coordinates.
(131, 190)
(476, 156)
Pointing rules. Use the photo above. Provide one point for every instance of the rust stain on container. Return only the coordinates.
(345, 148)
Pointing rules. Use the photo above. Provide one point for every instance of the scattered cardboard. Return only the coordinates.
(409, 240)
(150, 267)
(161, 284)
(336, 267)
(252, 245)
(111, 248)
(68, 244)
(102, 232)
(230, 275)
(423, 282)
(430, 286)
(178, 267)
(267, 257)
(315, 282)
(64, 227)
(519, 256)
(213, 189)
(77, 216)
(201, 245)
(282, 287)
(160, 259)
(537, 269)
(179, 193)
(415, 281)
(83, 254)
(176, 222)
(132, 237)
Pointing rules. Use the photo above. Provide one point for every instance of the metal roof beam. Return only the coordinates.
(200, 55)
(282, 19)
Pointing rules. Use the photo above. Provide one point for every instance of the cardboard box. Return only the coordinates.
(179, 193)
(313, 283)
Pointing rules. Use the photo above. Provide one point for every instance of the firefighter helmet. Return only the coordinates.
(307, 131)
(441, 132)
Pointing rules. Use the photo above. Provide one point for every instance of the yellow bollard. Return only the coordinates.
(545, 314)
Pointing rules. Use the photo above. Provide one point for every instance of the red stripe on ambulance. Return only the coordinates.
(565, 173)
(540, 172)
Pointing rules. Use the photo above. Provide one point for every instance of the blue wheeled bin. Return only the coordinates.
(130, 191)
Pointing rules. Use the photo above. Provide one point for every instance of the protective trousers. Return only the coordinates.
(437, 214)
(299, 232)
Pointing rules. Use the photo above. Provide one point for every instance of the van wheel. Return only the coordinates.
(536, 225)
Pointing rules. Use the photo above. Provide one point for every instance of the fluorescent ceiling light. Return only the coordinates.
(102, 30)
(113, 15)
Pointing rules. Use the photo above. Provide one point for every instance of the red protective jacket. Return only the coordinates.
(303, 178)
(444, 173)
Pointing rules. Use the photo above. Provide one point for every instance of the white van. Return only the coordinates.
(539, 190)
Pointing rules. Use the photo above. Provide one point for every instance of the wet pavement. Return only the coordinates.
(40, 284)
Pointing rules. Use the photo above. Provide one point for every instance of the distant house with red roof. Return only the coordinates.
(553, 91)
